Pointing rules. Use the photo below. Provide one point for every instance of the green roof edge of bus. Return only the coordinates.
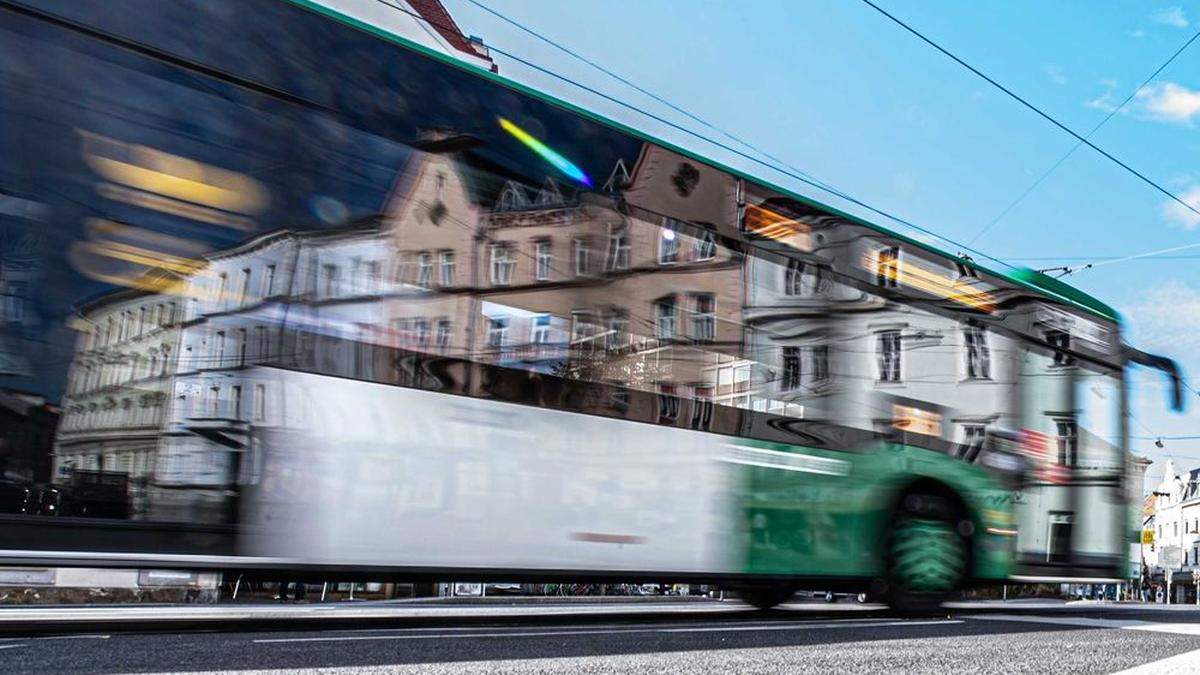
(1021, 276)
(1035, 278)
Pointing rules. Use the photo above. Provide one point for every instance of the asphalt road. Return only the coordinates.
(1009, 639)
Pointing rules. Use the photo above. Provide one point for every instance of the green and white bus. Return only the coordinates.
(334, 302)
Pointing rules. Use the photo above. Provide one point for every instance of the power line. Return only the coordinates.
(790, 173)
(1016, 97)
(1033, 186)
(636, 87)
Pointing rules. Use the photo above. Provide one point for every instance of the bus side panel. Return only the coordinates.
(368, 474)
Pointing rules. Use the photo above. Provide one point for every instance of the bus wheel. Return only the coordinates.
(927, 553)
(766, 597)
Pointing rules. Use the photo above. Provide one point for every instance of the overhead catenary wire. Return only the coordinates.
(1041, 113)
(638, 88)
(1033, 186)
(812, 182)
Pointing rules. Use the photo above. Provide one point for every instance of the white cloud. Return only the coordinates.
(1139, 33)
(1166, 317)
(1056, 74)
(1176, 213)
(1109, 83)
(1171, 16)
(1170, 102)
(1105, 102)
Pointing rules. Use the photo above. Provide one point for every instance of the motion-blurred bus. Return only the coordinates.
(323, 299)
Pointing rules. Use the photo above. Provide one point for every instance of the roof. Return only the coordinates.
(1021, 277)
(440, 20)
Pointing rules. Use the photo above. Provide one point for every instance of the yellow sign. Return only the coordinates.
(1147, 536)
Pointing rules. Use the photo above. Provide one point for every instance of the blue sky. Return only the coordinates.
(837, 90)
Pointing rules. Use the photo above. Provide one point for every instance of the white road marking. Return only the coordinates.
(610, 631)
(12, 646)
(76, 637)
(1086, 622)
(1180, 664)
(710, 629)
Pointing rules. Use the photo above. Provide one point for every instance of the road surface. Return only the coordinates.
(692, 638)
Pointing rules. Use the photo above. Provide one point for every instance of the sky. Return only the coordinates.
(839, 91)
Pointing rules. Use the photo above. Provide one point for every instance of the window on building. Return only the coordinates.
(503, 264)
(668, 404)
(887, 267)
(420, 333)
(705, 246)
(356, 276)
(801, 279)
(972, 441)
(260, 402)
(1068, 442)
(329, 275)
(1060, 341)
(668, 242)
(888, 355)
(214, 401)
(218, 350)
(702, 407)
(237, 401)
(448, 268)
(222, 289)
(616, 334)
(544, 255)
(141, 324)
(978, 354)
(374, 277)
(268, 282)
(442, 334)
(583, 330)
(703, 318)
(243, 345)
(792, 369)
(402, 268)
(618, 249)
(497, 332)
(820, 362)
(664, 319)
(424, 269)
(262, 340)
(540, 333)
(244, 291)
(583, 257)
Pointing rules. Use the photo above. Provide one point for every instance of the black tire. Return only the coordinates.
(766, 597)
(928, 552)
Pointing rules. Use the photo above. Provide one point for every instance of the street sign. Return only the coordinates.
(1147, 536)
(1170, 557)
